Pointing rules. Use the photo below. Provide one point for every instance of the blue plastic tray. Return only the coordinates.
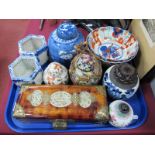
(45, 126)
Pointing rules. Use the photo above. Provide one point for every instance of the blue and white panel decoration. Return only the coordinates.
(26, 70)
(34, 45)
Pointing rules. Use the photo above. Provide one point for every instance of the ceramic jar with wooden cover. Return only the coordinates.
(85, 68)
(121, 81)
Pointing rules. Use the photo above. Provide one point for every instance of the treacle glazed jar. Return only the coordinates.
(121, 81)
(85, 68)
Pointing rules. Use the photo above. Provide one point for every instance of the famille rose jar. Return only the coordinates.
(26, 70)
(85, 68)
(121, 81)
(55, 74)
(61, 43)
(121, 114)
(34, 45)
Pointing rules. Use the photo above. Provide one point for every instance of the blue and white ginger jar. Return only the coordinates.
(121, 81)
(62, 42)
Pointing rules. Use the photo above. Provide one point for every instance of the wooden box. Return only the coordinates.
(68, 102)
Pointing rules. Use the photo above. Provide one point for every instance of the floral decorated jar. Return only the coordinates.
(34, 45)
(25, 70)
(121, 81)
(62, 41)
(121, 114)
(55, 74)
(85, 68)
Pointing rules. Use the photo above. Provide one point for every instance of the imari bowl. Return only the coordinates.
(34, 45)
(25, 70)
(113, 44)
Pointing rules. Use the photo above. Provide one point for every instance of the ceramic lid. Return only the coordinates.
(67, 31)
(124, 75)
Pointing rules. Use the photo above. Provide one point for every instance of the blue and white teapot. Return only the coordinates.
(62, 42)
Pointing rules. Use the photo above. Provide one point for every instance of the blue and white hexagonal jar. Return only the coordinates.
(26, 70)
(62, 41)
(34, 45)
(121, 81)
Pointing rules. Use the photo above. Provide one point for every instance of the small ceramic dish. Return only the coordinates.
(25, 70)
(34, 45)
(113, 44)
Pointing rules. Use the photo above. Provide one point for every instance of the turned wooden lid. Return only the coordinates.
(125, 73)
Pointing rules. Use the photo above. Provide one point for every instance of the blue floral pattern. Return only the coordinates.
(106, 51)
(130, 91)
(110, 51)
(105, 76)
(113, 91)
